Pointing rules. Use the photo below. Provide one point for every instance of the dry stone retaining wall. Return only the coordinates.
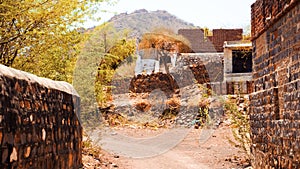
(39, 125)
(275, 108)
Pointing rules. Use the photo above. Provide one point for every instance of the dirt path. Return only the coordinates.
(214, 153)
(192, 152)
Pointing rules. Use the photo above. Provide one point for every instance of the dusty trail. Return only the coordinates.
(192, 152)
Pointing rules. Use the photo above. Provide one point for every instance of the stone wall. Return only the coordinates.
(201, 43)
(39, 125)
(206, 67)
(148, 83)
(275, 110)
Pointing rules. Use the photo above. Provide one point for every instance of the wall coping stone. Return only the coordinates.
(31, 78)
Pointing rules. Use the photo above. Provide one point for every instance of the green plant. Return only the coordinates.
(203, 116)
(240, 124)
(122, 50)
(90, 149)
(237, 110)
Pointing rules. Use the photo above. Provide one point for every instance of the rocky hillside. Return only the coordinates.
(142, 21)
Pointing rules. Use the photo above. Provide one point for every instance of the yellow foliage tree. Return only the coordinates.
(40, 36)
(123, 49)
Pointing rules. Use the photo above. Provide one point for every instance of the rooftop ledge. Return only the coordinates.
(237, 44)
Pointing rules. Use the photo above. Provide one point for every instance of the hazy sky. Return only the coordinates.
(203, 13)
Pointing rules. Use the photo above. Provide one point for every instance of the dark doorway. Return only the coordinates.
(241, 61)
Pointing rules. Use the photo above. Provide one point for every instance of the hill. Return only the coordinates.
(143, 21)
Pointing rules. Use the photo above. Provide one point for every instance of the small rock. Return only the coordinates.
(113, 133)
(114, 165)
(14, 155)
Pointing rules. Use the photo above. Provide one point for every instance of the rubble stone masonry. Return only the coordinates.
(275, 106)
(39, 126)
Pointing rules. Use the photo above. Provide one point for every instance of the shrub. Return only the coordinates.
(237, 110)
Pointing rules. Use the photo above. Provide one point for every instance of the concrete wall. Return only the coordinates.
(275, 110)
(39, 125)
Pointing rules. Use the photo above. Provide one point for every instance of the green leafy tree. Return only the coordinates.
(107, 68)
(41, 36)
(103, 49)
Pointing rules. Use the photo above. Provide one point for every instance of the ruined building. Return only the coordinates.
(223, 65)
(238, 67)
(275, 108)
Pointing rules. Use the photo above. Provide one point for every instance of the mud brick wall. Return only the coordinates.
(121, 85)
(197, 40)
(266, 12)
(222, 35)
(200, 43)
(194, 36)
(39, 126)
(275, 106)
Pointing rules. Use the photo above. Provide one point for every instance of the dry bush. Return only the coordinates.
(168, 115)
(173, 109)
(115, 119)
(173, 103)
(88, 148)
(143, 105)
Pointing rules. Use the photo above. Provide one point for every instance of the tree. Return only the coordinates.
(94, 67)
(123, 49)
(40, 36)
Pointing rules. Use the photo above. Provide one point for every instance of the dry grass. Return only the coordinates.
(143, 105)
(173, 103)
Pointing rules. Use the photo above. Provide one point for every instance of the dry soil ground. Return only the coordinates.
(214, 153)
